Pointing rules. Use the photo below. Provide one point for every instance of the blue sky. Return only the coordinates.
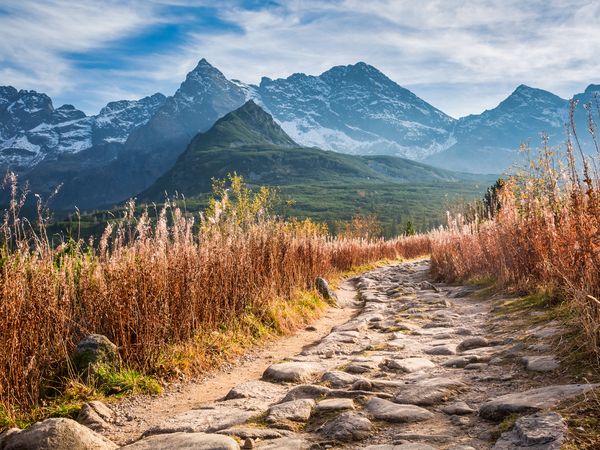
(463, 56)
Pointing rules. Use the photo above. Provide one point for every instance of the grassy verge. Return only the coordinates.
(207, 351)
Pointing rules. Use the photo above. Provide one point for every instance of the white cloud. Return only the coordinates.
(460, 55)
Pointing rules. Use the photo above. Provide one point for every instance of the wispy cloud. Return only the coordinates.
(462, 56)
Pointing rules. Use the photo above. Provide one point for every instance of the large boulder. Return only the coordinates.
(94, 351)
(57, 434)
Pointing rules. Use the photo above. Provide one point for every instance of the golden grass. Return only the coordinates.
(175, 294)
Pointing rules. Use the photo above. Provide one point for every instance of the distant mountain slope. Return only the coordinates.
(356, 109)
(249, 142)
(489, 142)
(32, 130)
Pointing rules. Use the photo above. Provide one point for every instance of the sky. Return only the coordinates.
(462, 56)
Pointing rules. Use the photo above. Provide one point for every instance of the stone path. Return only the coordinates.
(421, 367)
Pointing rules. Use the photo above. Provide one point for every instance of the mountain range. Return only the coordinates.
(103, 159)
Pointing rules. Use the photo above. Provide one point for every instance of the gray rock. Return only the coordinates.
(254, 433)
(310, 391)
(458, 408)
(460, 362)
(540, 431)
(475, 366)
(546, 363)
(324, 289)
(473, 342)
(392, 412)
(294, 371)
(283, 444)
(422, 395)
(347, 427)
(405, 446)
(441, 382)
(445, 349)
(461, 447)
(185, 441)
(57, 434)
(409, 364)
(205, 420)
(296, 411)
(335, 404)
(256, 389)
(94, 351)
(498, 408)
(95, 415)
(338, 379)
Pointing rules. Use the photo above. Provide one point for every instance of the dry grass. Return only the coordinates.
(164, 288)
(545, 235)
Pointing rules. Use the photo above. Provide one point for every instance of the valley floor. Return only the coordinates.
(408, 365)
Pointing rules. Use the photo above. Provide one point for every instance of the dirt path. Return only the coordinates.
(137, 414)
(418, 367)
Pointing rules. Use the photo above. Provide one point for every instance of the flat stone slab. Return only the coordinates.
(338, 379)
(458, 408)
(257, 389)
(335, 404)
(393, 412)
(296, 411)
(498, 408)
(293, 372)
(205, 420)
(540, 431)
(407, 446)
(409, 364)
(347, 427)
(543, 363)
(185, 441)
(254, 433)
(283, 444)
(445, 349)
(422, 395)
(472, 343)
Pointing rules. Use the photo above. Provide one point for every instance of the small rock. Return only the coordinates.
(296, 411)
(95, 415)
(405, 446)
(338, 379)
(283, 444)
(409, 364)
(311, 328)
(422, 395)
(539, 431)
(57, 434)
(293, 371)
(446, 349)
(392, 412)
(473, 342)
(253, 433)
(347, 427)
(458, 408)
(256, 389)
(476, 366)
(324, 289)
(460, 361)
(185, 441)
(335, 404)
(305, 391)
(540, 363)
(362, 385)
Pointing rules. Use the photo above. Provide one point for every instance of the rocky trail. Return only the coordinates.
(418, 366)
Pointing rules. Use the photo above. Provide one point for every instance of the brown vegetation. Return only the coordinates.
(158, 286)
(543, 232)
